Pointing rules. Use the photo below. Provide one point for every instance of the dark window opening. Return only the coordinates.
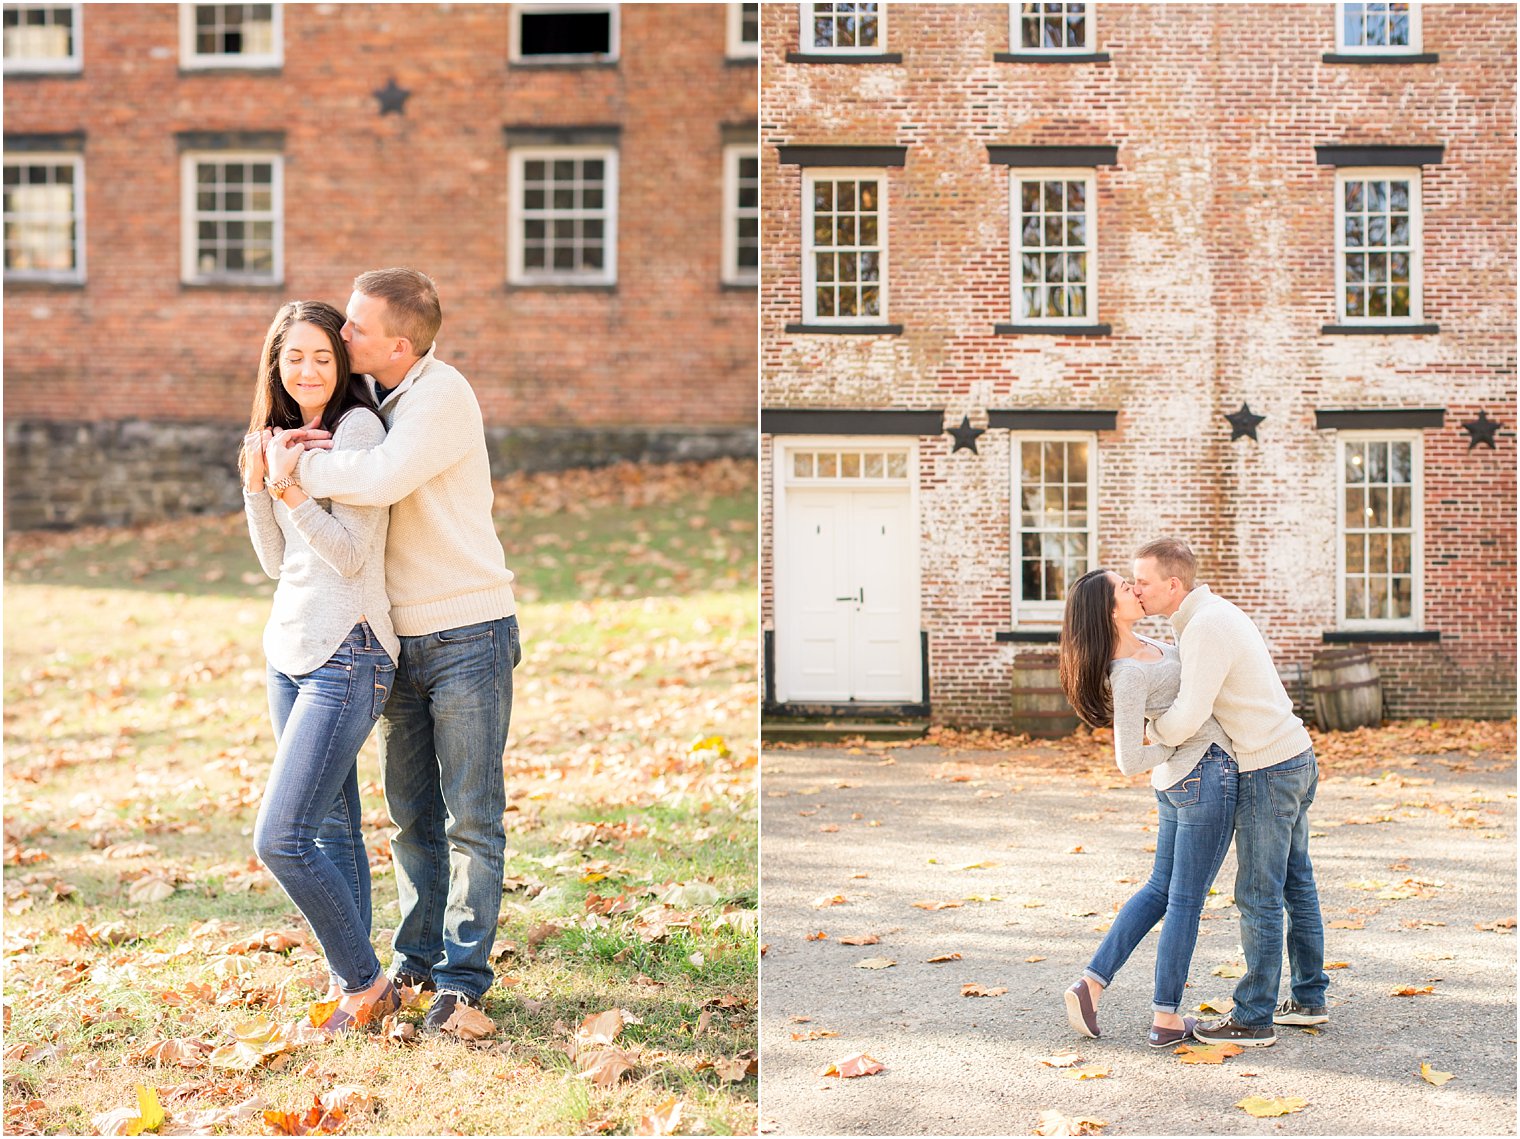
(566, 33)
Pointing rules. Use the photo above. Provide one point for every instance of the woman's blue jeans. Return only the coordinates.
(1197, 821)
(321, 720)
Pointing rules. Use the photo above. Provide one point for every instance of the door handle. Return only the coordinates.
(860, 597)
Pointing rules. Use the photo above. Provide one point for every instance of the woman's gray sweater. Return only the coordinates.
(330, 563)
(1147, 688)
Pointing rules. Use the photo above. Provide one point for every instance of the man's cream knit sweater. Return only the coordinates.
(444, 565)
(1227, 672)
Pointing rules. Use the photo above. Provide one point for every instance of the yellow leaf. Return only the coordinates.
(986, 864)
(320, 1011)
(1221, 1007)
(1207, 1053)
(1263, 1108)
(1054, 1123)
(1085, 1073)
(1061, 1060)
(1230, 970)
(152, 1115)
(1432, 1076)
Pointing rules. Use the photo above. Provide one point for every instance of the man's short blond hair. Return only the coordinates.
(1173, 557)
(412, 308)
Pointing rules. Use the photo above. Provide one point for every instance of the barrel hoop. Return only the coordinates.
(1373, 683)
(1043, 714)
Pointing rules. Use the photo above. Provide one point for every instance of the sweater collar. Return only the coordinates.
(413, 374)
(1196, 599)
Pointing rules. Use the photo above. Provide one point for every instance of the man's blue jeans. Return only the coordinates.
(308, 828)
(441, 743)
(1197, 815)
(1273, 874)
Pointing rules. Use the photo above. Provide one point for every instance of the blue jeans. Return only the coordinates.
(308, 829)
(1197, 816)
(1273, 874)
(441, 743)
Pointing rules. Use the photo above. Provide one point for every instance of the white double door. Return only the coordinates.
(847, 597)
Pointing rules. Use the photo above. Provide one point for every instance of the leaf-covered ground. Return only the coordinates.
(147, 953)
(927, 904)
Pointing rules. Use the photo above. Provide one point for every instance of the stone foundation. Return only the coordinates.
(62, 475)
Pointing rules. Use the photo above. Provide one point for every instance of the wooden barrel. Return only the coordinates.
(1039, 706)
(1347, 690)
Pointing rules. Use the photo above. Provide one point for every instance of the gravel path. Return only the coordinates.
(884, 828)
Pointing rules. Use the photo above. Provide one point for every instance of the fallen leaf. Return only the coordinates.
(971, 989)
(1076, 850)
(1337, 964)
(1207, 1053)
(1495, 926)
(153, 888)
(1263, 1108)
(1054, 1123)
(813, 1034)
(149, 1116)
(943, 957)
(875, 963)
(315, 1120)
(1344, 924)
(663, 1120)
(1431, 1076)
(1412, 991)
(818, 936)
(1061, 1060)
(985, 864)
(1230, 970)
(469, 1023)
(829, 900)
(860, 1064)
(953, 904)
(603, 1027)
(1085, 1074)
(606, 1066)
(860, 939)
(1032, 960)
(740, 1067)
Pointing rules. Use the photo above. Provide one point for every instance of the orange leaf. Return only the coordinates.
(320, 1011)
(663, 1120)
(1085, 1074)
(829, 900)
(819, 936)
(860, 1064)
(813, 1034)
(1337, 964)
(606, 1066)
(860, 939)
(975, 990)
(469, 1023)
(943, 957)
(1411, 991)
(1208, 1053)
(953, 904)
(1344, 924)
(313, 1121)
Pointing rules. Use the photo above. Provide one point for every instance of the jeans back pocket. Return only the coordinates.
(385, 680)
(1186, 791)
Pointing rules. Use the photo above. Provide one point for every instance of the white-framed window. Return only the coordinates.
(564, 33)
(741, 214)
(844, 27)
(42, 37)
(1051, 27)
(1379, 558)
(44, 218)
(1377, 27)
(233, 209)
(230, 35)
(1377, 244)
(1054, 217)
(743, 31)
(563, 215)
(1055, 520)
(844, 258)
(875, 464)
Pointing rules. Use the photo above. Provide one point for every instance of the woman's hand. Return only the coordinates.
(253, 458)
(282, 453)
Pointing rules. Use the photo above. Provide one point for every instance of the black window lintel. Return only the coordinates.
(1354, 154)
(1379, 418)
(850, 421)
(807, 154)
(1052, 155)
(1043, 419)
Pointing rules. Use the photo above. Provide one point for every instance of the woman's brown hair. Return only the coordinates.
(1088, 639)
(273, 406)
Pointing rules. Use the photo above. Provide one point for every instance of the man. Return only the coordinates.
(445, 725)
(1227, 672)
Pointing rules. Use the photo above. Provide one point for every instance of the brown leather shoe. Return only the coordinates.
(1080, 1011)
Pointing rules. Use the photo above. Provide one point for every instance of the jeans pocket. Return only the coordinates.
(385, 680)
(1185, 792)
(514, 638)
(1289, 792)
(466, 633)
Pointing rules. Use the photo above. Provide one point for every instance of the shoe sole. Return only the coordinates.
(1075, 1017)
(1300, 1021)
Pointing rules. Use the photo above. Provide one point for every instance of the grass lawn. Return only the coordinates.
(141, 937)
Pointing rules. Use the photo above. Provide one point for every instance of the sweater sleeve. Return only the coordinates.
(342, 539)
(433, 429)
(268, 540)
(1205, 664)
(1131, 752)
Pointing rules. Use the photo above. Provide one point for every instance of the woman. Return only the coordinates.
(330, 647)
(1113, 676)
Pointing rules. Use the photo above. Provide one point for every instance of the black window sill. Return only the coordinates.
(1389, 57)
(560, 287)
(1380, 636)
(1379, 329)
(739, 286)
(231, 286)
(741, 60)
(1050, 57)
(562, 64)
(847, 329)
(28, 284)
(842, 57)
(1029, 636)
(1053, 330)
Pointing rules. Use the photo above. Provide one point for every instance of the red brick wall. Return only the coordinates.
(668, 348)
(1215, 256)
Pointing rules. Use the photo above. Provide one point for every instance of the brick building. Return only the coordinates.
(580, 181)
(1045, 281)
